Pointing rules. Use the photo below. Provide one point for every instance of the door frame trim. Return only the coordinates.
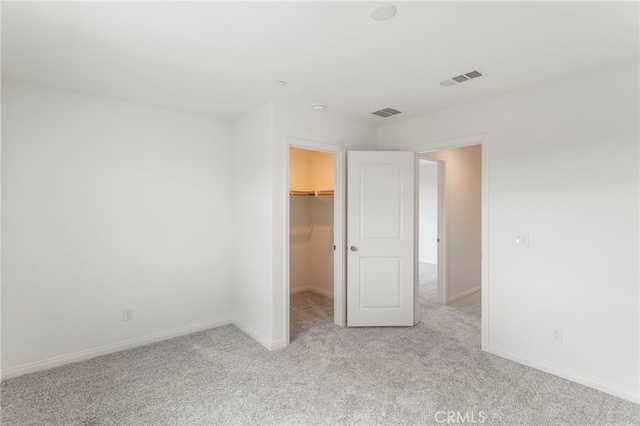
(477, 139)
(442, 247)
(339, 220)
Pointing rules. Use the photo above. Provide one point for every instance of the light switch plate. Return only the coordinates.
(522, 240)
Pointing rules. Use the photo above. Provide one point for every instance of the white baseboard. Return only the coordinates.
(108, 349)
(268, 344)
(582, 379)
(463, 294)
(316, 290)
(278, 344)
(431, 261)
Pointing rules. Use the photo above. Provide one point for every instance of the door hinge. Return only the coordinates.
(334, 247)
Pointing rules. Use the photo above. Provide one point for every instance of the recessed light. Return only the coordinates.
(319, 107)
(280, 83)
(383, 12)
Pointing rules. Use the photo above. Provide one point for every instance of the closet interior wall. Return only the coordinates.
(311, 222)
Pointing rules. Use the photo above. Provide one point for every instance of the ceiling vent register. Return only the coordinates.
(387, 112)
(461, 78)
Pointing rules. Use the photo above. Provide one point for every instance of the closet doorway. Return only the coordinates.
(315, 284)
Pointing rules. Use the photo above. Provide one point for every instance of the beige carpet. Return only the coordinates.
(328, 375)
(427, 276)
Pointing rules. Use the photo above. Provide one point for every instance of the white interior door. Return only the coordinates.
(381, 224)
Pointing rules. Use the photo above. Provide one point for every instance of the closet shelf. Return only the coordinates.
(311, 193)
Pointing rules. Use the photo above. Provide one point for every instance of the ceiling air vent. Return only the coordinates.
(387, 112)
(461, 78)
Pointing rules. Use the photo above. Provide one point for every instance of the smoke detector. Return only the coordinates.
(319, 107)
(461, 78)
(383, 12)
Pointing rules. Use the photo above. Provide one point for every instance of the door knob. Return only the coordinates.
(353, 248)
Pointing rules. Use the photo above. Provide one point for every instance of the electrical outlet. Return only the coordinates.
(557, 335)
(127, 314)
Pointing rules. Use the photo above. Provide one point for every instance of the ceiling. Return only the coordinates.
(221, 59)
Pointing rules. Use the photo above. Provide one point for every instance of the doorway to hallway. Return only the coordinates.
(428, 194)
(450, 237)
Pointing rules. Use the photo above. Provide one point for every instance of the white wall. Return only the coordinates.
(463, 189)
(252, 245)
(310, 170)
(311, 222)
(563, 167)
(300, 169)
(299, 238)
(321, 244)
(311, 244)
(108, 205)
(428, 245)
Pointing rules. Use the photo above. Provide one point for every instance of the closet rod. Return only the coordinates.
(316, 193)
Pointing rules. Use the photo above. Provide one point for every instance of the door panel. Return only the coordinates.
(379, 282)
(380, 212)
(381, 278)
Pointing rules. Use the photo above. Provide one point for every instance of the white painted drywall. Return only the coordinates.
(428, 236)
(299, 219)
(310, 170)
(1, 221)
(299, 239)
(299, 169)
(106, 205)
(311, 244)
(302, 123)
(252, 223)
(311, 222)
(321, 244)
(463, 188)
(564, 168)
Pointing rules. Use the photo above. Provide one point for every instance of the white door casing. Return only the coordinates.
(381, 241)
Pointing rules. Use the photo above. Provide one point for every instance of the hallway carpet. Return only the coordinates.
(328, 375)
(427, 277)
